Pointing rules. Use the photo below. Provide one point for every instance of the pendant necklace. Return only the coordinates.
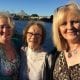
(75, 51)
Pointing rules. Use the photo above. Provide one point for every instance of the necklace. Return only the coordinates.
(72, 52)
(75, 51)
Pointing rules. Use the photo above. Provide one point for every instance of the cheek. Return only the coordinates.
(8, 31)
(40, 40)
(77, 26)
(27, 38)
(1, 32)
(62, 29)
(63, 32)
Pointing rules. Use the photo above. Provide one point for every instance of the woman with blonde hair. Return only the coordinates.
(9, 60)
(66, 37)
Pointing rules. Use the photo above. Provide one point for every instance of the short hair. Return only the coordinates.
(8, 18)
(40, 25)
(59, 16)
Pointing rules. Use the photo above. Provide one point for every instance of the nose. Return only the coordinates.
(5, 29)
(33, 36)
(69, 25)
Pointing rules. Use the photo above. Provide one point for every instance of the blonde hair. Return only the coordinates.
(60, 15)
(8, 18)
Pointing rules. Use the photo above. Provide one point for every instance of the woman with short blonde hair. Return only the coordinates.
(66, 37)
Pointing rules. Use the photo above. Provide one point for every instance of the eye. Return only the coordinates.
(75, 21)
(38, 35)
(8, 27)
(64, 24)
(29, 33)
(5, 26)
(1, 26)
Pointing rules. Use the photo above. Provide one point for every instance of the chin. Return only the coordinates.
(31, 46)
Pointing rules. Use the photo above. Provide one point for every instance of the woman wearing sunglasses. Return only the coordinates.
(37, 64)
(66, 37)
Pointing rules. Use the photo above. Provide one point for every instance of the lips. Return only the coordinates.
(72, 31)
(33, 41)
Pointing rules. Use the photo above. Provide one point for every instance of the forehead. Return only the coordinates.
(69, 15)
(35, 28)
(3, 20)
(73, 15)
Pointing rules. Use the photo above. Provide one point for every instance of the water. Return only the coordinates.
(48, 45)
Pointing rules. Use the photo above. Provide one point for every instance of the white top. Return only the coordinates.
(35, 62)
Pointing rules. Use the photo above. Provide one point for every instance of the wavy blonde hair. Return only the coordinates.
(8, 18)
(59, 16)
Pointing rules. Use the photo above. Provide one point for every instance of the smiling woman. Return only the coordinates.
(9, 60)
(37, 63)
(66, 36)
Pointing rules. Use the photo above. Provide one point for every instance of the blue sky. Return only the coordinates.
(40, 7)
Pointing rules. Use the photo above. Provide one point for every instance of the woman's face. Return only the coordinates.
(70, 29)
(5, 31)
(34, 37)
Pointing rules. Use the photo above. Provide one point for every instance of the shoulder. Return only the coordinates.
(23, 48)
(60, 56)
(23, 52)
(60, 68)
(60, 61)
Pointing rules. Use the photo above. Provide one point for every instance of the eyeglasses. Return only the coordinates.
(4, 26)
(30, 34)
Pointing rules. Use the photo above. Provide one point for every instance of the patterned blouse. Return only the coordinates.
(8, 69)
(62, 72)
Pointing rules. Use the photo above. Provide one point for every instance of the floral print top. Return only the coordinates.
(8, 69)
(62, 72)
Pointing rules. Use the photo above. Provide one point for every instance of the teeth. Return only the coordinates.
(70, 31)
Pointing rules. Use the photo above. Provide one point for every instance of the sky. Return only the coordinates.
(40, 7)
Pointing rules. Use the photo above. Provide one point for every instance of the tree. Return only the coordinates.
(34, 15)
